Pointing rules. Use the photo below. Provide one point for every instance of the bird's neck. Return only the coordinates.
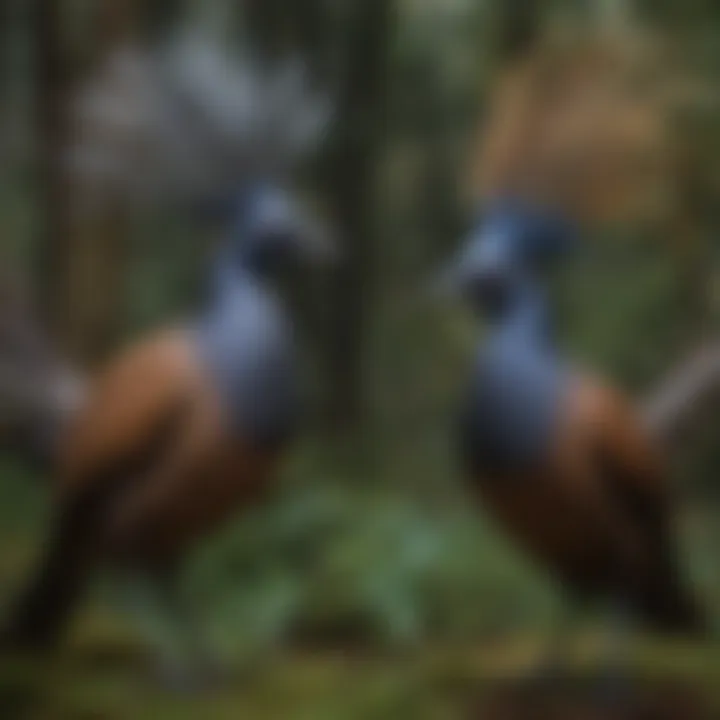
(232, 275)
(527, 316)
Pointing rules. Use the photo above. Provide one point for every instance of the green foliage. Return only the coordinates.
(363, 567)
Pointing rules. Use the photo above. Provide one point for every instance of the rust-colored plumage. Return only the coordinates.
(583, 128)
(155, 407)
(598, 512)
(145, 469)
(185, 429)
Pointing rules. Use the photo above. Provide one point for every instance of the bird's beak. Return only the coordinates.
(484, 257)
(455, 278)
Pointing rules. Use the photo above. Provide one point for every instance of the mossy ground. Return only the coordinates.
(106, 671)
(111, 676)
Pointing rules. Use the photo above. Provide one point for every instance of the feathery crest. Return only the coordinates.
(190, 121)
(587, 124)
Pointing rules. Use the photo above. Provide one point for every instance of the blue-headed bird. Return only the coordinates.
(561, 459)
(184, 429)
(577, 136)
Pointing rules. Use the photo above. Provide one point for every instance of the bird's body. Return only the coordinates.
(558, 458)
(187, 428)
(181, 433)
(244, 342)
(595, 510)
(516, 391)
(177, 436)
(562, 461)
(145, 471)
(157, 438)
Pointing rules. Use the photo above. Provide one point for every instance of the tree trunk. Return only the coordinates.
(689, 392)
(279, 27)
(115, 23)
(266, 25)
(356, 155)
(81, 254)
(102, 222)
(349, 174)
(54, 252)
(160, 16)
(518, 27)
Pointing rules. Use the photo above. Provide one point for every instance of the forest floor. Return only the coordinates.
(107, 673)
(110, 676)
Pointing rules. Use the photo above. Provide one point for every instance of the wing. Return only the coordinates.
(634, 472)
(130, 410)
(631, 461)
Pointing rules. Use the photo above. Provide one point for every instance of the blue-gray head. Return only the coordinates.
(267, 230)
(509, 244)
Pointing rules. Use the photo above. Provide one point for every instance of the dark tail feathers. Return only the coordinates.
(673, 613)
(45, 608)
(38, 390)
(667, 605)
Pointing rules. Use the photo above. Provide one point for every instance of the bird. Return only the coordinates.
(562, 459)
(188, 427)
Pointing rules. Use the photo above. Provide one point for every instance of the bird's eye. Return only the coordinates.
(278, 239)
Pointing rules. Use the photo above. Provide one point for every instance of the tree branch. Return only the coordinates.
(686, 392)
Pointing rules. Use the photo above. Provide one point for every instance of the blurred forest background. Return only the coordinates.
(372, 542)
